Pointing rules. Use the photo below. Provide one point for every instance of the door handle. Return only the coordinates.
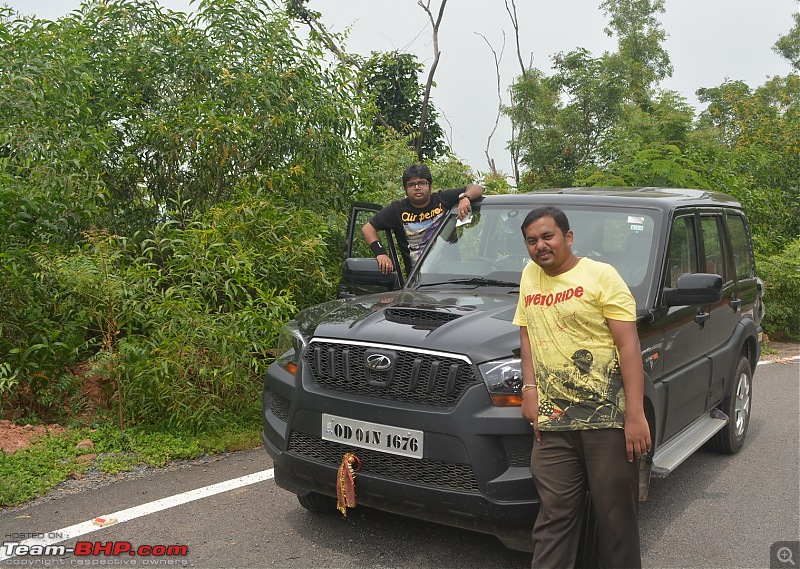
(702, 317)
(735, 302)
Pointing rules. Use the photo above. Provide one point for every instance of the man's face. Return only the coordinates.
(418, 191)
(548, 246)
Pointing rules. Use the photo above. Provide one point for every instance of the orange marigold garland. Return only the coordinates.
(346, 482)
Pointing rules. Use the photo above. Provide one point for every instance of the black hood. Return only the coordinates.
(453, 320)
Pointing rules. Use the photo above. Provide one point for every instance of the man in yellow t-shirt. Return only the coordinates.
(583, 393)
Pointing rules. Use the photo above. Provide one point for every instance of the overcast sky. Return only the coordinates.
(708, 41)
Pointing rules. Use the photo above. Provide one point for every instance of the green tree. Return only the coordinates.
(640, 55)
(564, 121)
(127, 117)
(153, 108)
(789, 45)
(540, 139)
(392, 79)
(576, 122)
(757, 156)
(650, 147)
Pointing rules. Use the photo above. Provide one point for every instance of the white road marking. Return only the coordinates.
(89, 526)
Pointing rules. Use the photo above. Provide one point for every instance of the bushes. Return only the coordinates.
(781, 276)
(179, 325)
(209, 301)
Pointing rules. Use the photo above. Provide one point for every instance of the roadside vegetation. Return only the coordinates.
(174, 187)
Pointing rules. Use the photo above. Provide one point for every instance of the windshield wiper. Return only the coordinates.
(477, 281)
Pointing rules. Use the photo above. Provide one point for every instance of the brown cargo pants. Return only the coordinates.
(564, 464)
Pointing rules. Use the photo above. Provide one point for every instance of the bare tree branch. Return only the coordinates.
(497, 60)
(429, 83)
(512, 13)
(448, 134)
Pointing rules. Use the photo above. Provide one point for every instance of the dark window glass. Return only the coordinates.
(742, 258)
(682, 250)
(715, 256)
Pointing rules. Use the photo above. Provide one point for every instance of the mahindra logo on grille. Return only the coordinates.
(379, 362)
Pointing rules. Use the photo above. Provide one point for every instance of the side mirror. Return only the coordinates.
(695, 288)
(362, 276)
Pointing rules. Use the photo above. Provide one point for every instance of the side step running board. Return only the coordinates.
(681, 447)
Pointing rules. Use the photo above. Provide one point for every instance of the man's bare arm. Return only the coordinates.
(371, 236)
(637, 431)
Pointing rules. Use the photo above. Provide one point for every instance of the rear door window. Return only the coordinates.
(682, 253)
(742, 257)
(715, 260)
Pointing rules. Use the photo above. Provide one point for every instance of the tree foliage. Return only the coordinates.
(124, 128)
(604, 121)
(153, 108)
(572, 124)
(392, 79)
(756, 152)
(640, 55)
(789, 45)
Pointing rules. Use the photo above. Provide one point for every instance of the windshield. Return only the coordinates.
(489, 250)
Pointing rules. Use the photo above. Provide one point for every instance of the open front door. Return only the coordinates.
(360, 273)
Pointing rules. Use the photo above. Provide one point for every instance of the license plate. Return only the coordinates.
(383, 438)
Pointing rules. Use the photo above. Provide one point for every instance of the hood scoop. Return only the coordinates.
(419, 316)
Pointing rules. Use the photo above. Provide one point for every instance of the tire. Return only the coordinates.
(737, 406)
(318, 503)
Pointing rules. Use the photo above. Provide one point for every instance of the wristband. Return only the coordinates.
(377, 248)
(528, 386)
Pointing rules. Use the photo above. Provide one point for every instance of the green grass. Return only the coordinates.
(50, 460)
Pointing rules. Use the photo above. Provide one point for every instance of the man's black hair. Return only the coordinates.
(548, 210)
(417, 171)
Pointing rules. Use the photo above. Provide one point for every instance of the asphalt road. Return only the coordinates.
(714, 511)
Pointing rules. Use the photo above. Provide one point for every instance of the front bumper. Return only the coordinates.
(474, 473)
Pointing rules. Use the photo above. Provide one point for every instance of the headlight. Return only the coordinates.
(290, 347)
(503, 379)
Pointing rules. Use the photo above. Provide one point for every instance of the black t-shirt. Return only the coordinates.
(413, 227)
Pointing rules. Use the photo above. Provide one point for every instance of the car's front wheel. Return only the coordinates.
(736, 406)
(318, 503)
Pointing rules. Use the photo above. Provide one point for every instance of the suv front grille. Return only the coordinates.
(414, 377)
(424, 472)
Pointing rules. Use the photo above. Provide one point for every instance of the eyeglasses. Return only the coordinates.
(420, 184)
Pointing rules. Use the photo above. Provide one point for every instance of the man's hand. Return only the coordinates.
(637, 435)
(530, 399)
(371, 238)
(637, 432)
(385, 264)
(530, 410)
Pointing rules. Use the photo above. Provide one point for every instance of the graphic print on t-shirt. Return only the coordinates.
(574, 355)
(419, 226)
(412, 226)
(574, 398)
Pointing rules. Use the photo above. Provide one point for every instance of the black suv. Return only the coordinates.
(420, 376)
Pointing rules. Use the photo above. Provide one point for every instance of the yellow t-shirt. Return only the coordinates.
(574, 356)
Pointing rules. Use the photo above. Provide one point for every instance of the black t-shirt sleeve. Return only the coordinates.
(386, 218)
(450, 197)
